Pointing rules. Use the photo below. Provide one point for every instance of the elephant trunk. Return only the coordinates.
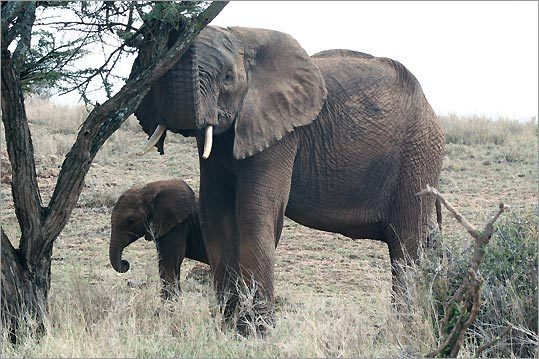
(179, 109)
(181, 87)
(116, 247)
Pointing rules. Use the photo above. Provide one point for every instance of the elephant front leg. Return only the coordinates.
(171, 250)
(255, 285)
(219, 230)
(262, 195)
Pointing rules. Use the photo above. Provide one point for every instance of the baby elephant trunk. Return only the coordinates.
(116, 247)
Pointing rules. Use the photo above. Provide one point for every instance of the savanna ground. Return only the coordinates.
(333, 293)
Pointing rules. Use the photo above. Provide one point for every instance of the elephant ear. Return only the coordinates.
(173, 202)
(147, 116)
(285, 90)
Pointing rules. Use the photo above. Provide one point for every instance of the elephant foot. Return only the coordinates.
(170, 292)
(250, 316)
(255, 316)
(255, 324)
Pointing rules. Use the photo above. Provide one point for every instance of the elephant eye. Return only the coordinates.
(229, 76)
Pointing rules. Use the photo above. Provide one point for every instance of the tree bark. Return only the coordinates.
(24, 291)
(25, 272)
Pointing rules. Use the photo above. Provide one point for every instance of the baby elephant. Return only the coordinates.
(165, 212)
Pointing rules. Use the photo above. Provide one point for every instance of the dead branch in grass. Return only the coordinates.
(485, 346)
(463, 307)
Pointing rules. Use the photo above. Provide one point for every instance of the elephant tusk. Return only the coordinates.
(208, 140)
(153, 140)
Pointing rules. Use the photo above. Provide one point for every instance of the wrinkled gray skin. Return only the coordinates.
(340, 141)
(165, 212)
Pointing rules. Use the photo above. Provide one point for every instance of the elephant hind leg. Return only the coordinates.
(406, 233)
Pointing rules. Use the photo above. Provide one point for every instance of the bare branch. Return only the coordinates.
(468, 296)
(459, 217)
(97, 72)
(486, 346)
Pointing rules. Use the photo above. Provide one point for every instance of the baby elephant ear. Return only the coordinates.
(285, 90)
(174, 201)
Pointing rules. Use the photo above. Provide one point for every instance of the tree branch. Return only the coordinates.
(10, 11)
(459, 217)
(26, 197)
(25, 22)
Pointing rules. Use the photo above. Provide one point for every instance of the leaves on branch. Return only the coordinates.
(116, 29)
(48, 64)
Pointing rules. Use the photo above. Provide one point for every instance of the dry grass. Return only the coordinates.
(97, 321)
(61, 124)
(480, 130)
(332, 292)
(58, 119)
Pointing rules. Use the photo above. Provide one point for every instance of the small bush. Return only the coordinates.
(102, 198)
(510, 289)
(509, 292)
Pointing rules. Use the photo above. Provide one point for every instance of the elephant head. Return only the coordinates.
(259, 82)
(151, 211)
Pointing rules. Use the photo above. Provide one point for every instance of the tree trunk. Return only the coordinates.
(25, 289)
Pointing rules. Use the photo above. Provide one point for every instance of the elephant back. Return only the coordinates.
(342, 53)
(359, 71)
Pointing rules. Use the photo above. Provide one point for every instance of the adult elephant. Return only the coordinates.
(341, 141)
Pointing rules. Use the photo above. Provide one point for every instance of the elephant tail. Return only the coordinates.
(438, 205)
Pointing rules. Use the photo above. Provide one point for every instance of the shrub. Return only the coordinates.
(509, 291)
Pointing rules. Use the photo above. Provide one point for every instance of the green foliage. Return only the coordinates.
(509, 292)
(48, 64)
(512, 255)
(510, 289)
(115, 28)
(174, 13)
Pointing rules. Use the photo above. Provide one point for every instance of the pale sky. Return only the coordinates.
(470, 57)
